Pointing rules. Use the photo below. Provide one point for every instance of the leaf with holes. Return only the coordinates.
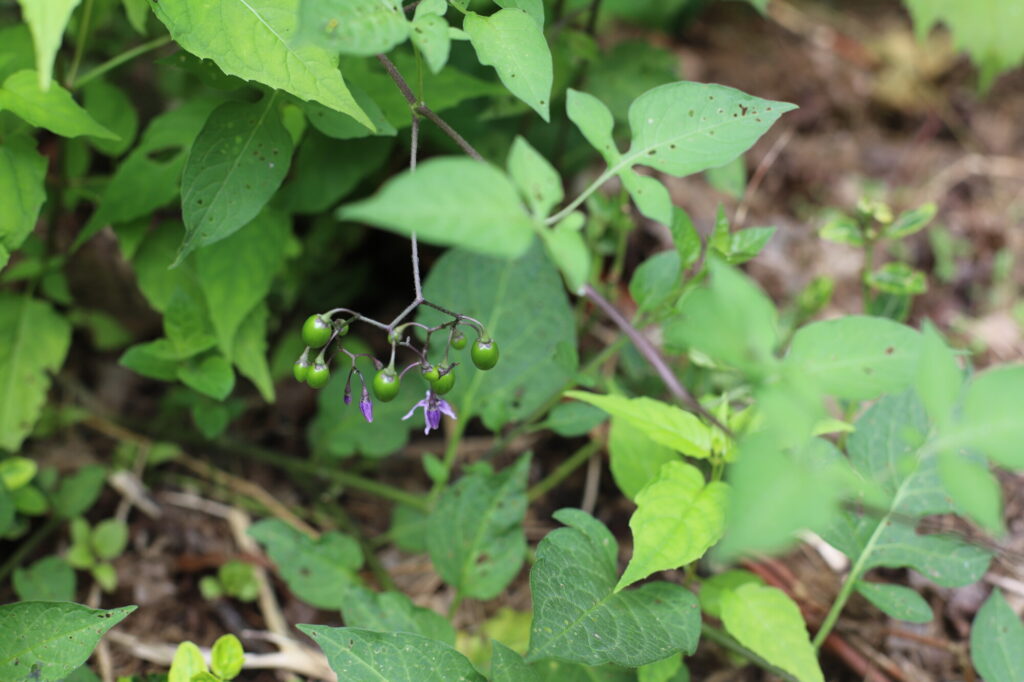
(48, 640)
(475, 534)
(579, 618)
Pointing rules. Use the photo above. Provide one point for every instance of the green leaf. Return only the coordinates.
(511, 41)
(939, 377)
(856, 357)
(991, 421)
(239, 30)
(566, 246)
(22, 191)
(747, 244)
(508, 666)
(897, 278)
(842, 229)
(188, 662)
(685, 237)
(627, 70)
(655, 280)
(111, 107)
(53, 109)
(48, 640)
(535, 8)
(538, 181)
(17, 54)
(634, 458)
(30, 501)
(712, 589)
(731, 320)
(354, 27)
(393, 612)
(666, 670)
(154, 359)
(235, 274)
(451, 201)
(109, 538)
(561, 671)
(430, 34)
(78, 492)
(766, 621)
(663, 423)
(897, 601)
(475, 534)
(678, 518)
(236, 164)
(730, 179)
(319, 572)
(7, 511)
(226, 657)
(105, 576)
(47, 24)
(974, 488)
(34, 339)
(579, 618)
(210, 376)
(523, 305)
(187, 322)
(327, 170)
(137, 11)
(910, 222)
(49, 579)
(593, 119)
(250, 351)
(997, 641)
(358, 655)
(16, 472)
(573, 418)
(339, 126)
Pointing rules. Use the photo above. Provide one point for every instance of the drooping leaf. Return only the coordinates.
(354, 27)
(319, 572)
(327, 170)
(358, 655)
(22, 191)
(250, 351)
(997, 641)
(655, 280)
(47, 24)
(452, 201)
(634, 458)
(430, 34)
(579, 618)
(54, 109)
(523, 306)
(48, 640)
(511, 41)
(897, 601)
(666, 424)
(112, 108)
(239, 30)
(678, 518)
(34, 339)
(766, 621)
(975, 489)
(568, 249)
(475, 535)
(538, 181)
(49, 579)
(939, 378)
(712, 589)
(236, 164)
(211, 375)
(393, 612)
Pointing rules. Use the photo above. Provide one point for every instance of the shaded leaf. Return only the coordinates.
(997, 641)
(354, 27)
(663, 423)
(54, 109)
(897, 601)
(634, 458)
(393, 612)
(22, 191)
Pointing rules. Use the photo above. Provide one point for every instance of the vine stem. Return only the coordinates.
(83, 38)
(120, 59)
(563, 470)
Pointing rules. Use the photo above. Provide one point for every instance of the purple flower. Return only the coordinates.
(433, 407)
(366, 405)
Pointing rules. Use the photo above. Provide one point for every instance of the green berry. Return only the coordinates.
(444, 383)
(431, 374)
(316, 331)
(318, 375)
(484, 353)
(386, 385)
(458, 340)
(301, 368)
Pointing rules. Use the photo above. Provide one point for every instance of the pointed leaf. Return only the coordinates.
(663, 423)
(47, 22)
(22, 191)
(997, 641)
(354, 27)
(508, 666)
(897, 601)
(991, 420)
(210, 376)
(393, 612)
(430, 35)
(538, 181)
(53, 109)
(635, 458)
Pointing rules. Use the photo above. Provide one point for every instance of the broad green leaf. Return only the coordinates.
(188, 661)
(939, 377)
(358, 655)
(354, 27)
(34, 339)
(535, 8)
(137, 11)
(22, 191)
(634, 458)
(16, 472)
(897, 601)
(241, 29)
(187, 322)
(48, 640)
(78, 492)
(53, 109)
(655, 280)
(855, 357)
(842, 229)
(111, 107)
(511, 41)
(579, 618)
(153, 359)
(523, 306)
(109, 538)
(649, 194)
(341, 126)
(747, 244)
(319, 572)
(593, 119)
(997, 641)
(451, 201)
(49, 579)
(666, 670)
(678, 518)
(663, 423)
(731, 320)
(17, 54)
(30, 501)
(430, 34)
(910, 222)
(561, 671)
(991, 422)
(537, 180)
(686, 238)
(250, 351)
(766, 621)
(327, 170)
(508, 666)
(475, 535)
(236, 164)
(976, 490)
(712, 589)
(226, 657)
(212, 375)
(393, 612)
(888, 448)
(565, 245)
(47, 22)
(898, 279)
(573, 418)
(235, 274)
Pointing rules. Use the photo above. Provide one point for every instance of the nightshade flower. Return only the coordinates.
(433, 407)
(366, 405)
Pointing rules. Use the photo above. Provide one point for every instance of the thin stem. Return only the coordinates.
(120, 59)
(83, 39)
(574, 204)
(392, 70)
(563, 470)
(727, 642)
(450, 132)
